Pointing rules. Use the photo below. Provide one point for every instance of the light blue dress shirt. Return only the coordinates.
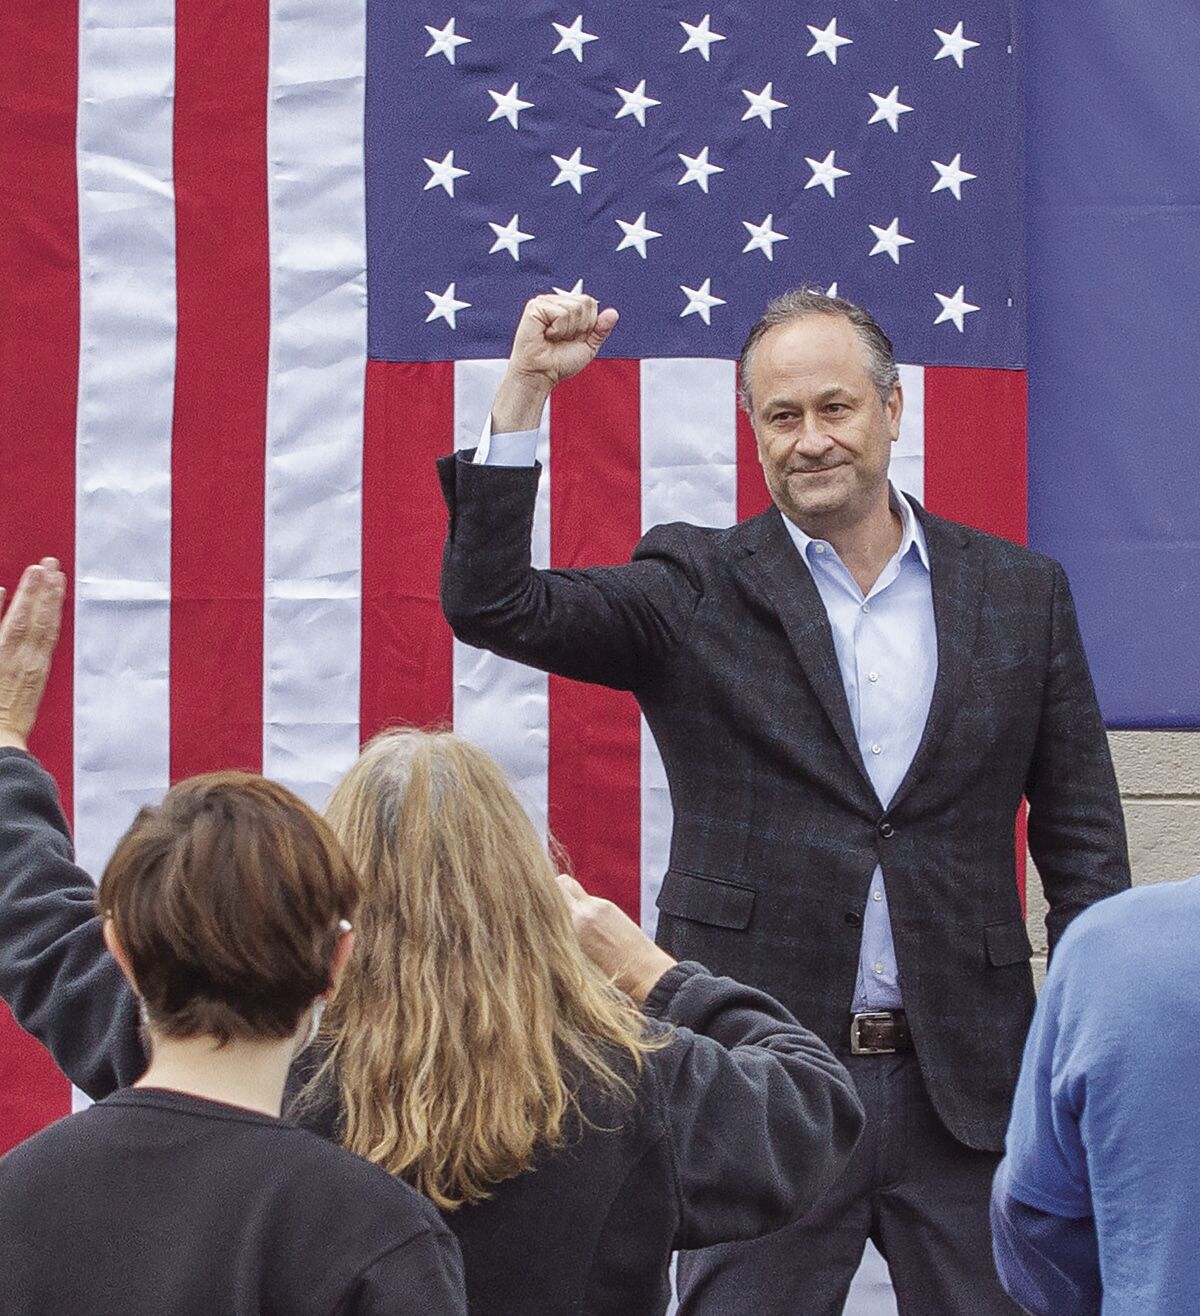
(886, 646)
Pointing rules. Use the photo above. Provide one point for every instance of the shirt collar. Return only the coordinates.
(912, 532)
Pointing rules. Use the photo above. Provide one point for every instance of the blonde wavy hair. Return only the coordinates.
(468, 1015)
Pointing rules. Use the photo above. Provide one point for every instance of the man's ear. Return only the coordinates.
(894, 407)
(113, 942)
(341, 953)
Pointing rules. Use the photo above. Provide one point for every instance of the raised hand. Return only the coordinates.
(28, 634)
(614, 942)
(556, 337)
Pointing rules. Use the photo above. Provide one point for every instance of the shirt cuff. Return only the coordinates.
(517, 448)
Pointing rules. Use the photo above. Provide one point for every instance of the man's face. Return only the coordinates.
(824, 436)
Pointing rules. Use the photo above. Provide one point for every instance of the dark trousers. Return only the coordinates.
(916, 1192)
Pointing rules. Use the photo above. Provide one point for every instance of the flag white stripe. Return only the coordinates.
(689, 473)
(312, 615)
(499, 705)
(124, 417)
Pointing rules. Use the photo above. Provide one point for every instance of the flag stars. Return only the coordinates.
(571, 292)
(509, 237)
(508, 105)
(889, 241)
(762, 104)
(951, 177)
(572, 38)
(637, 234)
(445, 41)
(954, 308)
(954, 44)
(635, 102)
(825, 173)
(888, 109)
(700, 36)
(826, 40)
(698, 169)
(446, 306)
(571, 169)
(442, 173)
(700, 301)
(762, 237)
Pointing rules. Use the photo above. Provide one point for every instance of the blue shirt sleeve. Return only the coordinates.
(1047, 1263)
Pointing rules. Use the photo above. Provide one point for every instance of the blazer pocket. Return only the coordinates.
(706, 899)
(1007, 943)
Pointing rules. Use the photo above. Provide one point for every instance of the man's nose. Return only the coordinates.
(811, 439)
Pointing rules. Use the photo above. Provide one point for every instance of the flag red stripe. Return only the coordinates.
(975, 448)
(217, 459)
(39, 363)
(595, 519)
(407, 650)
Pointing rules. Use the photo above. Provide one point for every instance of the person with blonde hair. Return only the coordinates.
(577, 1103)
(227, 909)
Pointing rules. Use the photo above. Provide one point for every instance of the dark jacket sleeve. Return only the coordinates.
(761, 1117)
(422, 1277)
(56, 974)
(1076, 826)
(610, 625)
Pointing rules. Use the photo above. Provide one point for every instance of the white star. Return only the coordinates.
(954, 44)
(444, 172)
(832, 291)
(954, 308)
(700, 37)
(889, 240)
(951, 177)
(700, 301)
(762, 106)
(444, 41)
(572, 38)
(636, 234)
(508, 237)
(698, 169)
(888, 109)
(571, 170)
(762, 237)
(824, 173)
(571, 292)
(636, 102)
(508, 105)
(826, 40)
(445, 307)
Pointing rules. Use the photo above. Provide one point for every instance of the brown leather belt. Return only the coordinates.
(879, 1033)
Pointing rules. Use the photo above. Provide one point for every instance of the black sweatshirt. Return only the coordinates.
(153, 1201)
(739, 1126)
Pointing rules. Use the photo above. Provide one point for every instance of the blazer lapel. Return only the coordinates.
(956, 577)
(774, 564)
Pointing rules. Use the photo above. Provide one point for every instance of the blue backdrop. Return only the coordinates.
(1113, 215)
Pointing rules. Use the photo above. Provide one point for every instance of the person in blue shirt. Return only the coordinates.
(1095, 1205)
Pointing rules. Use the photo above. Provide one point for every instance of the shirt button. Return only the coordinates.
(872, 676)
(876, 749)
(877, 895)
(866, 607)
(878, 968)
(819, 548)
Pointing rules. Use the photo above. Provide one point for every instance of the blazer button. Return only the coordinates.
(854, 918)
(886, 829)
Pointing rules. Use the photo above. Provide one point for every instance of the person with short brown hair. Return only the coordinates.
(227, 908)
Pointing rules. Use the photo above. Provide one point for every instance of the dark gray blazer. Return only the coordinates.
(723, 639)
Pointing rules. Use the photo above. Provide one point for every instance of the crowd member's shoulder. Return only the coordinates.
(1136, 920)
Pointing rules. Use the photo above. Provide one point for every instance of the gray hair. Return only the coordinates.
(881, 357)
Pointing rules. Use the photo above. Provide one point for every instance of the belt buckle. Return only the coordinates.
(856, 1047)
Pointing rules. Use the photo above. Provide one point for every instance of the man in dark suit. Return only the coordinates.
(851, 697)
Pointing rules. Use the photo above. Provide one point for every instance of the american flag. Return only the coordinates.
(231, 446)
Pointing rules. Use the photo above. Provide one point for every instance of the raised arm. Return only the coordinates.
(760, 1116)
(55, 973)
(610, 625)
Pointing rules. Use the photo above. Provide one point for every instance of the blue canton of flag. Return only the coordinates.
(689, 163)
